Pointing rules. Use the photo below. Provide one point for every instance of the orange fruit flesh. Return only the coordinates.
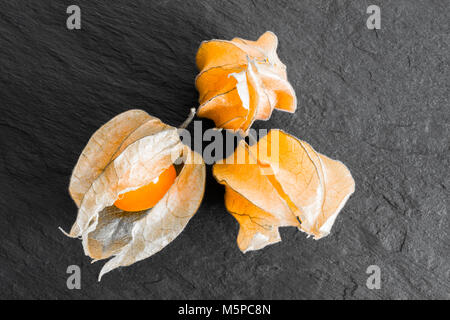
(149, 195)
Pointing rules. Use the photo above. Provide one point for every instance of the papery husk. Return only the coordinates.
(125, 154)
(304, 189)
(262, 76)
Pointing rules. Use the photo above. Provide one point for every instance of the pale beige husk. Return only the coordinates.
(305, 189)
(125, 154)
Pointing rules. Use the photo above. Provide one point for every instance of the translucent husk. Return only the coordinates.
(125, 154)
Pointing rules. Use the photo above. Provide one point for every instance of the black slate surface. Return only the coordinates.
(378, 101)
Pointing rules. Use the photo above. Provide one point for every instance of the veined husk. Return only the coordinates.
(299, 187)
(125, 154)
(241, 81)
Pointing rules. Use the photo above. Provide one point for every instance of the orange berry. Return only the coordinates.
(147, 196)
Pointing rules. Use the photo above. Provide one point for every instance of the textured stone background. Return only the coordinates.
(378, 101)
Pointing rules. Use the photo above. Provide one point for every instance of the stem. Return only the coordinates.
(189, 119)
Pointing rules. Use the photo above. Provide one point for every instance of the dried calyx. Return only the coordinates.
(127, 154)
(241, 81)
(294, 186)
